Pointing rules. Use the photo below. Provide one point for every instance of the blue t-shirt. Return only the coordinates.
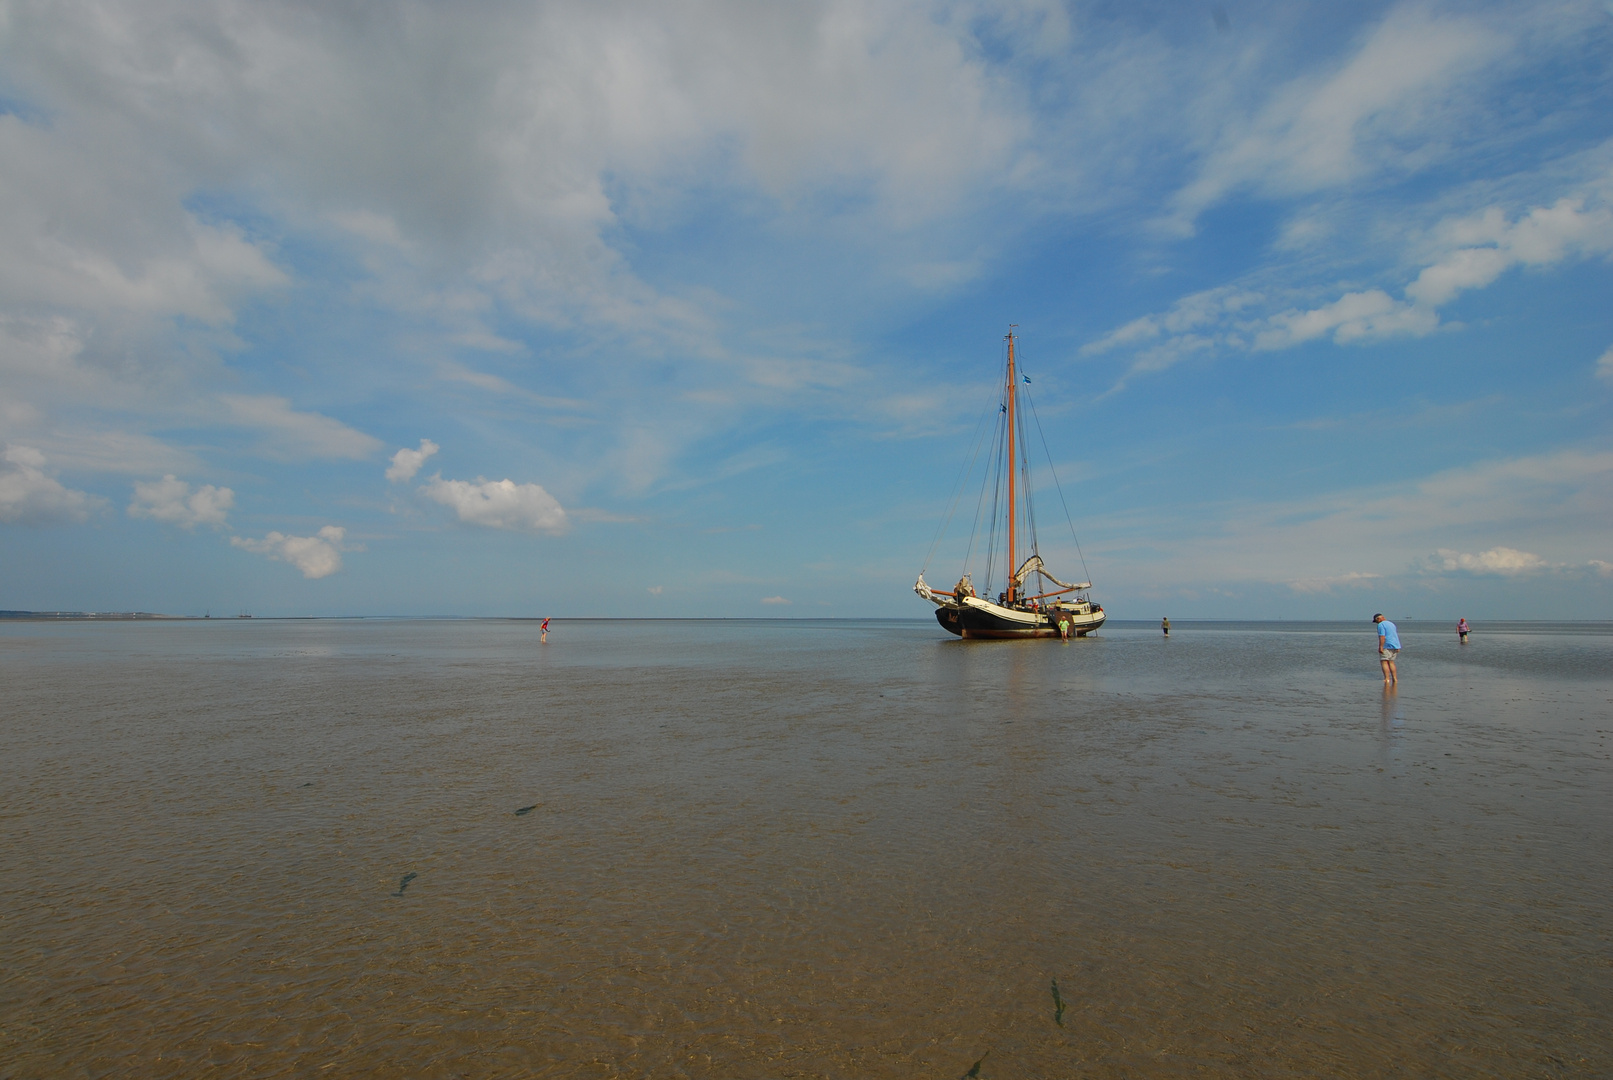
(1388, 636)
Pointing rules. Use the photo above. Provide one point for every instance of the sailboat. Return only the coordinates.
(1032, 601)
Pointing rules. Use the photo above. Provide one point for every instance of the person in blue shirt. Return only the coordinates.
(1388, 648)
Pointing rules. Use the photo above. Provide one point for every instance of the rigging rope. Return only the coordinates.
(957, 494)
(1086, 575)
(999, 450)
(995, 468)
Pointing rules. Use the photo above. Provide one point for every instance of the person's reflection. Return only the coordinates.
(1389, 728)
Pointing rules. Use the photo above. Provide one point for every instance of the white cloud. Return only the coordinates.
(1356, 579)
(1469, 252)
(507, 188)
(316, 556)
(1355, 316)
(1487, 244)
(115, 452)
(406, 462)
(29, 497)
(1208, 309)
(656, 590)
(499, 504)
(1555, 504)
(1604, 366)
(1194, 324)
(533, 114)
(194, 271)
(171, 500)
(774, 600)
(1502, 561)
(1322, 132)
(374, 227)
(493, 198)
(298, 436)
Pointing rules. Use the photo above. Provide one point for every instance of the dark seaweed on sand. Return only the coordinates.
(974, 1070)
(1058, 1005)
(404, 882)
(526, 809)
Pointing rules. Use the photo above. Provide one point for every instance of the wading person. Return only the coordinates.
(1461, 629)
(1388, 648)
(543, 638)
(1064, 626)
(1165, 625)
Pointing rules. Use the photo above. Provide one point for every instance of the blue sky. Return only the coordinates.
(691, 308)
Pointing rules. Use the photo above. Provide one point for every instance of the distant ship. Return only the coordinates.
(1020, 610)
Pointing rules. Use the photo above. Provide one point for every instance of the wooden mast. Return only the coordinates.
(1012, 468)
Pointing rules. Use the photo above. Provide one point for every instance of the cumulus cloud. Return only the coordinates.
(30, 497)
(1501, 561)
(499, 504)
(774, 600)
(171, 500)
(316, 556)
(494, 197)
(406, 462)
(539, 111)
(1604, 366)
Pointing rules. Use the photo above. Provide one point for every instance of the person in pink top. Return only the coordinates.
(1461, 629)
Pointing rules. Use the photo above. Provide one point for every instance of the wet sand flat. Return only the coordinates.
(798, 848)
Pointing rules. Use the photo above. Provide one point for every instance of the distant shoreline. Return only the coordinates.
(106, 616)
(1416, 624)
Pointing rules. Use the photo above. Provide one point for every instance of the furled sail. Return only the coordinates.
(1033, 565)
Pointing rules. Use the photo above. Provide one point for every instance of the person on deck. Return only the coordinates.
(1388, 648)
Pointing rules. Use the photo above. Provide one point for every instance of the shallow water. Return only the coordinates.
(773, 848)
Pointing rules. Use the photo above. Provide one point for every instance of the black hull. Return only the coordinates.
(971, 622)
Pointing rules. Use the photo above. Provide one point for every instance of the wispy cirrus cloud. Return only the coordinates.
(297, 436)
(1323, 131)
(1355, 316)
(1468, 252)
(1353, 579)
(1556, 504)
